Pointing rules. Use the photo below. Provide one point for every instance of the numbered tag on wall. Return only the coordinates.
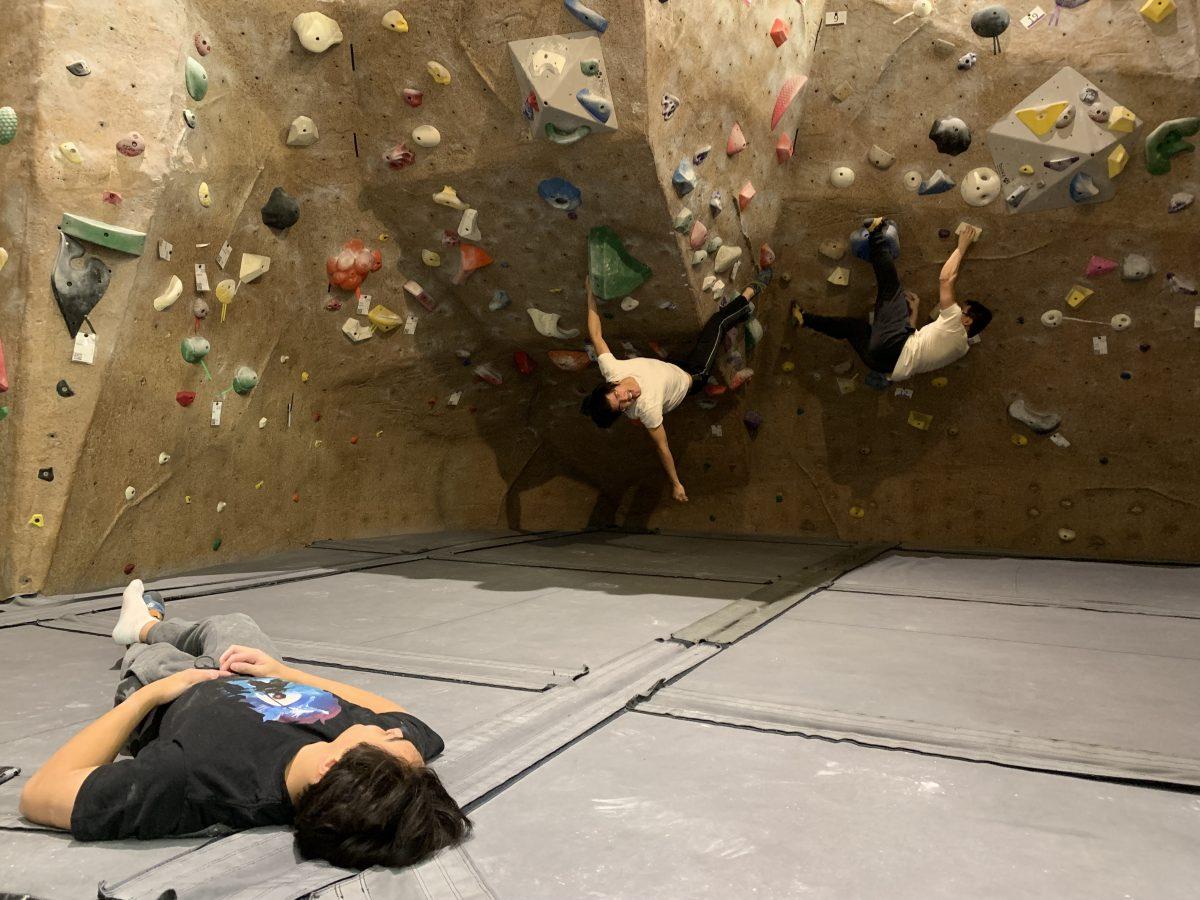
(85, 348)
(216, 412)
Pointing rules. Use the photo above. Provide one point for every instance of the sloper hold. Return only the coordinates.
(586, 15)
(395, 20)
(281, 210)
(599, 107)
(788, 92)
(195, 79)
(698, 236)
(726, 257)
(737, 141)
(1157, 10)
(880, 158)
(253, 266)
(77, 290)
(839, 276)
(779, 32)
(570, 360)
(937, 183)
(316, 31)
(950, 135)
(547, 325)
(1041, 119)
(613, 270)
(8, 124)
(114, 237)
(1167, 140)
(1040, 423)
(556, 135)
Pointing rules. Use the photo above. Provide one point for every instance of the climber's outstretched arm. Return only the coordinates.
(949, 275)
(659, 436)
(595, 335)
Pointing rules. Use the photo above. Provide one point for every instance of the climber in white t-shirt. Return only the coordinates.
(647, 389)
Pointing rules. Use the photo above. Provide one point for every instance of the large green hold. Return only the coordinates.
(114, 237)
(194, 348)
(8, 124)
(1166, 141)
(613, 271)
(245, 379)
(196, 79)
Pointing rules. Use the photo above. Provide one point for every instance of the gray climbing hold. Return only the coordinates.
(77, 290)
(189, 118)
(196, 80)
(990, 22)
(1089, 95)
(880, 158)
(500, 299)
(670, 104)
(1136, 268)
(713, 243)
(950, 135)
(684, 178)
(1041, 423)
(200, 308)
(281, 210)
(715, 203)
(1061, 164)
(1066, 117)
(683, 220)
(701, 155)
(589, 67)
(586, 15)
(1179, 285)
(79, 69)
(967, 61)
(599, 107)
(1098, 114)
(1180, 201)
(937, 183)
(726, 257)
(1083, 187)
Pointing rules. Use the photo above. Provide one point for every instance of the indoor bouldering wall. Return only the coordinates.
(401, 383)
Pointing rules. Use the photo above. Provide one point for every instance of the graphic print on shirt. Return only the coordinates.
(277, 700)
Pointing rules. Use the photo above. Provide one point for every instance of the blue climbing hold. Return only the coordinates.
(684, 178)
(860, 244)
(599, 107)
(937, 183)
(1083, 188)
(560, 193)
(587, 16)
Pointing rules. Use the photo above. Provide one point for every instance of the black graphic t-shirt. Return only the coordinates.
(219, 759)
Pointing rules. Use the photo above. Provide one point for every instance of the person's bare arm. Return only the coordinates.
(250, 661)
(659, 436)
(593, 322)
(49, 796)
(949, 274)
(913, 306)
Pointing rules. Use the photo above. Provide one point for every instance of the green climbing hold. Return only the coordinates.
(216, 544)
(245, 379)
(3, 413)
(114, 237)
(196, 80)
(613, 271)
(557, 136)
(194, 348)
(8, 124)
(1167, 140)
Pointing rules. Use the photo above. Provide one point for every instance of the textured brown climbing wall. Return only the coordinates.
(518, 454)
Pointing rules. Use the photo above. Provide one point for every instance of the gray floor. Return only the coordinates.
(834, 725)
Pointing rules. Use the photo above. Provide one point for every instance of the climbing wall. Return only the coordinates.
(440, 406)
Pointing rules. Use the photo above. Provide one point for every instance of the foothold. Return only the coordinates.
(468, 225)
(439, 73)
(737, 141)
(1040, 423)
(262, 423)
(586, 15)
(1041, 119)
(316, 31)
(701, 155)
(1098, 114)
(352, 264)
(839, 276)
(841, 177)
(79, 69)
(745, 195)
(714, 241)
(524, 362)
(699, 256)
(880, 158)
(842, 91)
(683, 220)
(1083, 187)
(1180, 201)
(1089, 95)
(1060, 164)
(1099, 265)
(1026, 169)
(967, 61)
(1180, 285)
(189, 118)
(302, 132)
(546, 324)
(130, 492)
(471, 259)
(629, 304)
(766, 257)
(167, 298)
(725, 258)
(37, 520)
(418, 293)
(600, 108)
(753, 421)
(426, 136)
(1066, 117)
(1077, 294)
(63, 389)
(832, 249)
(779, 32)
(1157, 10)
(394, 20)
(670, 105)
(112, 197)
(937, 183)
(46, 474)
(1052, 318)
(200, 308)
(556, 135)
(950, 135)
(1122, 119)
(204, 195)
(560, 193)
(590, 67)
(281, 210)
(202, 44)
(913, 180)
(185, 398)
(570, 360)
(431, 259)
(253, 265)
(70, 153)
(1117, 160)
(788, 92)
(1066, 535)
(919, 420)
(114, 237)
(684, 178)
(413, 97)
(195, 79)
(77, 290)
(1162, 143)
(399, 157)
(784, 148)
(698, 235)
(448, 196)
(8, 124)
(1120, 322)
(981, 187)
(716, 204)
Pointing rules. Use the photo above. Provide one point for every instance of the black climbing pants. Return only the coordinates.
(700, 361)
(877, 344)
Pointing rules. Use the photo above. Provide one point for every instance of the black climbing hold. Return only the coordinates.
(943, 233)
(1104, 460)
(64, 389)
(1020, 320)
(1126, 375)
(77, 290)
(799, 410)
(1145, 348)
(281, 210)
(950, 135)
(46, 474)
(991, 21)
(79, 69)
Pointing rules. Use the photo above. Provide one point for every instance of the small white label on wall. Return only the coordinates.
(85, 348)
(836, 18)
(216, 412)
(1032, 17)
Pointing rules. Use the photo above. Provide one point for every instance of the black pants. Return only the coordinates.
(877, 344)
(700, 361)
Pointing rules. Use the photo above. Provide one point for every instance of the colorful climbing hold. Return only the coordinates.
(195, 79)
(245, 379)
(560, 193)
(670, 105)
(745, 195)
(841, 176)
(316, 31)
(202, 44)
(394, 20)
(737, 141)
(981, 186)
(1099, 265)
(350, 267)
(204, 194)
(779, 32)
(784, 148)
(614, 272)
(1157, 10)
(950, 135)
(937, 183)
(8, 124)
(400, 157)
(586, 15)
(1162, 143)
(131, 145)
(788, 92)
(600, 108)
(413, 97)
(77, 290)
(70, 153)
(439, 73)
(167, 298)
(524, 362)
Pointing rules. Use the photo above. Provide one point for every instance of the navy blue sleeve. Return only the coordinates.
(427, 741)
(143, 797)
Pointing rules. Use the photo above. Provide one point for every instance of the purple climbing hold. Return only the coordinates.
(753, 421)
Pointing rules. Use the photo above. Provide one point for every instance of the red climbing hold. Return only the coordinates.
(400, 157)
(787, 93)
(316, 417)
(296, 497)
(185, 398)
(766, 256)
(129, 567)
(349, 267)
(737, 141)
(354, 439)
(779, 32)
(112, 197)
(715, 390)
(784, 148)
(413, 97)
(524, 362)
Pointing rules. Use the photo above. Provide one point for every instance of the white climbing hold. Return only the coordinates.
(426, 136)
(880, 158)
(629, 304)
(1136, 268)
(546, 324)
(981, 186)
(253, 266)
(262, 423)
(699, 256)
(1042, 423)
(832, 249)
(431, 259)
(357, 331)
(221, 504)
(130, 492)
(1052, 318)
(839, 276)
(448, 196)
(317, 32)
(913, 179)
(164, 458)
(1120, 322)
(302, 132)
(468, 225)
(1066, 535)
(842, 177)
(167, 298)
(726, 257)
(395, 20)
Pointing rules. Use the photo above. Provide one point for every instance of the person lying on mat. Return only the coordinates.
(221, 733)
(648, 389)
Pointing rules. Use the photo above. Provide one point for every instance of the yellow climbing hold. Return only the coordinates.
(383, 319)
(205, 194)
(70, 153)
(438, 72)
(1157, 10)
(304, 376)
(839, 276)
(1026, 169)
(1122, 119)
(1117, 160)
(919, 421)
(431, 259)
(385, 237)
(318, 442)
(940, 382)
(448, 196)
(1077, 295)
(857, 512)
(187, 498)
(259, 485)
(379, 434)
(394, 20)
(1019, 440)
(1041, 119)
(37, 520)
(789, 366)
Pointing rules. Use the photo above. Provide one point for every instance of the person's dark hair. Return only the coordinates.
(980, 317)
(374, 809)
(596, 405)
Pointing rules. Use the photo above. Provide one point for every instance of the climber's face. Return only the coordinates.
(624, 394)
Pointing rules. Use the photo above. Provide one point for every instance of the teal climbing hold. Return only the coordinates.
(614, 272)
(194, 348)
(114, 237)
(245, 379)
(1162, 143)
(557, 136)
(8, 124)
(196, 80)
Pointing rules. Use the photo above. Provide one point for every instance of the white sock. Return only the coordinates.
(134, 614)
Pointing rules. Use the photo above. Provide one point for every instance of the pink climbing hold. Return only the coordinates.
(112, 197)
(1098, 265)
(203, 47)
(699, 235)
(400, 157)
(787, 93)
(784, 148)
(3, 371)
(131, 145)
(413, 97)
(737, 141)
(766, 256)
(779, 32)
(745, 195)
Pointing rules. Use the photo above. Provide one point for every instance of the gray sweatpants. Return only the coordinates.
(174, 645)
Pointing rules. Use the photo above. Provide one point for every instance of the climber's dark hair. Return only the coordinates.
(980, 317)
(596, 406)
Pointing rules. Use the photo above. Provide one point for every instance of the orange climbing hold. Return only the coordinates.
(473, 258)
(784, 148)
(737, 141)
(352, 265)
(766, 256)
(570, 360)
(779, 32)
(745, 195)
(787, 93)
